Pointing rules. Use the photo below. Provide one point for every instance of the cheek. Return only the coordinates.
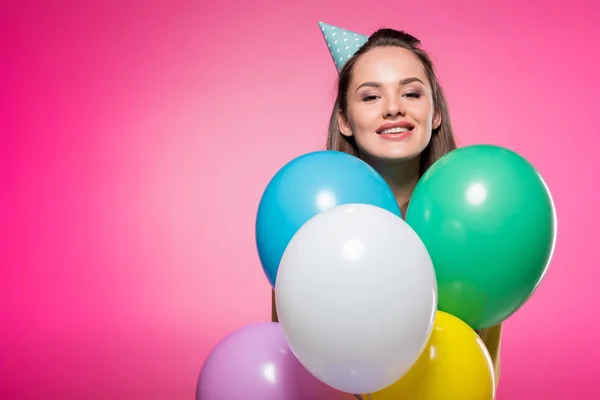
(423, 113)
(366, 120)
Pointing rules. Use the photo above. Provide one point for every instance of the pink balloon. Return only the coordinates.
(255, 362)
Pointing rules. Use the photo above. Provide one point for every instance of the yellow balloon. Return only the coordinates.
(454, 366)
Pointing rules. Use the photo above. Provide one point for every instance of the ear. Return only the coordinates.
(343, 125)
(437, 120)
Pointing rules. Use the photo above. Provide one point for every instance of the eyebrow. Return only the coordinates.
(402, 82)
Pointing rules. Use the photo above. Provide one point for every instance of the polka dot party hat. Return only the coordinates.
(342, 43)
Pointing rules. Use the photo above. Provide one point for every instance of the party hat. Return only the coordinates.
(342, 43)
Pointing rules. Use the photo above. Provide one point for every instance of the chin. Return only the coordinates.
(391, 153)
(398, 153)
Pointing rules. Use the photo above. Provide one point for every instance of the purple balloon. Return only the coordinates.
(255, 362)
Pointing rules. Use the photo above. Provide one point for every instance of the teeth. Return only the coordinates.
(393, 130)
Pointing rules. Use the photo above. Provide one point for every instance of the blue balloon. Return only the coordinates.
(307, 186)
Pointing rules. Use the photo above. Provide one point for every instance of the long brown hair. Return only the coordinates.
(442, 138)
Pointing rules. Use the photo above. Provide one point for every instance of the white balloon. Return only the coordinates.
(356, 297)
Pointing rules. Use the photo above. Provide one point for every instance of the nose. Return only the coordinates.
(392, 108)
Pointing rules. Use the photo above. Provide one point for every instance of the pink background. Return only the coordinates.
(138, 137)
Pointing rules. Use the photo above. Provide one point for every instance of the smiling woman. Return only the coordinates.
(390, 82)
(391, 112)
(391, 119)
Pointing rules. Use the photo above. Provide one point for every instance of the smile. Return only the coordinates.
(395, 130)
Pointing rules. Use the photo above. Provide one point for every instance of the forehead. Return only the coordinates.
(387, 64)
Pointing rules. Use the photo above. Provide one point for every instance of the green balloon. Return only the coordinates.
(488, 221)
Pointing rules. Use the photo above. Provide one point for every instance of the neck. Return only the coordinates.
(401, 177)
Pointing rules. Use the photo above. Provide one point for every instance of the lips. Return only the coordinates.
(395, 128)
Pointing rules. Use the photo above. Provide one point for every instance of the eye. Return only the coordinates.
(413, 95)
(369, 98)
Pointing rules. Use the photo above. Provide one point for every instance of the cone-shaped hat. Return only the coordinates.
(342, 43)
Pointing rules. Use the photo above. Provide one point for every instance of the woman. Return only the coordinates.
(391, 112)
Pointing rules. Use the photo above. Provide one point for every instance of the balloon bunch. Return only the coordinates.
(371, 305)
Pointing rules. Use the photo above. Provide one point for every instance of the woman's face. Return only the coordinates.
(390, 106)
